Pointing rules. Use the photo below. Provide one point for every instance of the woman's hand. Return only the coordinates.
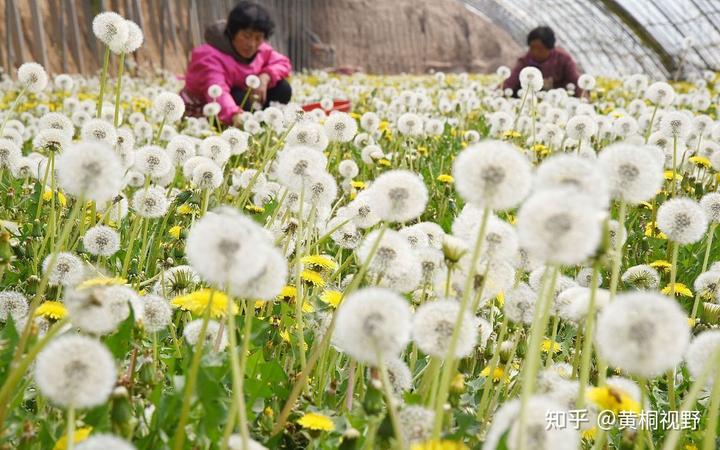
(260, 94)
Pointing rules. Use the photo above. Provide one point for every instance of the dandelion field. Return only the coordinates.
(444, 267)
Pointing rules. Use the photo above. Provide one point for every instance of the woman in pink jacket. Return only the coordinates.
(233, 50)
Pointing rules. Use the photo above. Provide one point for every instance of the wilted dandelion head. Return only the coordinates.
(492, 174)
(373, 323)
(642, 333)
(12, 305)
(191, 333)
(75, 371)
(398, 196)
(416, 423)
(682, 220)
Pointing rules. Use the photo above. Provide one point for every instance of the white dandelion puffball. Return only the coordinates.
(180, 149)
(103, 441)
(416, 423)
(710, 203)
(643, 333)
(586, 82)
(268, 284)
(215, 148)
(101, 240)
(207, 175)
(150, 203)
(169, 106)
(539, 436)
(91, 170)
(581, 127)
(559, 226)
(156, 313)
(642, 276)
(660, 94)
(253, 81)
(682, 220)
(492, 174)
(32, 77)
(296, 165)
(191, 333)
(410, 124)
(110, 28)
(10, 154)
(433, 325)
(99, 130)
(631, 171)
(214, 91)
(236, 443)
(12, 305)
(373, 323)
(68, 269)
(503, 72)
(699, 353)
(531, 79)
(573, 171)
(134, 39)
(675, 125)
(398, 196)
(98, 310)
(227, 247)
(237, 139)
(75, 371)
(340, 127)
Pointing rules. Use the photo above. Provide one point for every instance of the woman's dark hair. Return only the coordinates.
(545, 34)
(249, 15)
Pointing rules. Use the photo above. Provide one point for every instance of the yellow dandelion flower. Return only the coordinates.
(320, 261)
(422, 150)
(288, 292)
(285, 335)
(540, 149)
(646, 205)
(445, 178)
(255, 209)
(589, 434)
(315, 421)
(498, 373)
(101, 281)
(661, 264)
(651, 230)
(78, 436)
(51, 310)
(332, 298)
(670, 175)
(700, 161)
(312, 277)
(680, 289)
(197, 302)
(385, 162)
(691, 322)
(358, 184)
(690, 447)
(439, 445)
(48, 195)
(184, 209)
(512, 134)
(308, 308)
(384, 125)
(175, 231)
(613, 399)
(547, 344)
(268, 411)
(500, 299)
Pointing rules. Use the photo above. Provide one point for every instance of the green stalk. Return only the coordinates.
(711, 235)
(12, 109)
(589, 332)
(137, 220)
(390, 401)
(71, 428)
(493, 364)
(673, 267)
(179, 438)
(671, 439)
(247, 334)
(450, 357)
(103, 81)
(714, 408)
(118, 89)
(532, 359)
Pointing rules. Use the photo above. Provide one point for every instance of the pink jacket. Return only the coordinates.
(209, 66)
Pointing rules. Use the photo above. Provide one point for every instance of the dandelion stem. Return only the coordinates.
(589, 332)
(103, 81)
(390, 401)
(450, 357)
(71, 428)
(491, 369)
(179, 439)
(673, 267)
(532, 359)
(12, 109)
(714, 412)
(710, 237)
(118, 89)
